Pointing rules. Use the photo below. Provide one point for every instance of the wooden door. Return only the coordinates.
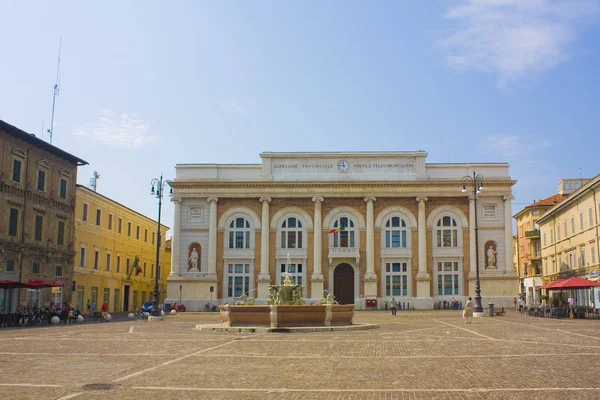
(343, 284)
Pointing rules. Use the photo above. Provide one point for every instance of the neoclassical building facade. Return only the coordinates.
(363, 226)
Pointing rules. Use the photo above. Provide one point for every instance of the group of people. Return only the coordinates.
(91, 309)
(467, 311)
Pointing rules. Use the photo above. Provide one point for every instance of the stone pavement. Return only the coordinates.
(415, 355)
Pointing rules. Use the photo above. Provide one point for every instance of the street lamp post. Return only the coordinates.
(477, 182)
(158, 185)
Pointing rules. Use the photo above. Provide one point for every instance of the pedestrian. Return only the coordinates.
(468, 311)
(393, 305)
(89, 307)
(104, 310)
(515, 304)
(571, 301)
(521, 306)
(93, 309)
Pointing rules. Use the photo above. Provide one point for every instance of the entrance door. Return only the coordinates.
(126, 298)
(343, 284)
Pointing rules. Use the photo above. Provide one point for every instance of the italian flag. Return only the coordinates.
(136, 265)
(338, 229)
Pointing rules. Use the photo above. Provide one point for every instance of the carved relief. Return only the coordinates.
(194, 253)
(490, 249)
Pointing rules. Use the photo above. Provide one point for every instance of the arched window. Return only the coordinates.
(447, 232)
(344, 233)
(239, 233)
(395, 232)
(291, 233)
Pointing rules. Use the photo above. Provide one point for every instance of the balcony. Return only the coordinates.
(344, 252)
(533, 256)
(532, 234)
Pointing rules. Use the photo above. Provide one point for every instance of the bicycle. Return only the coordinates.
(208, 308)
(140, 316)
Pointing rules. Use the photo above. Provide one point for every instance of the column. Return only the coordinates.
(316, 283)
(424, 299)
(264, 278)
(212, 235)
(370, 276)
(175, 238)
(508, 233)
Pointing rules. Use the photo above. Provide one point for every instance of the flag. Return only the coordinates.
(136, 265)
(338, 229)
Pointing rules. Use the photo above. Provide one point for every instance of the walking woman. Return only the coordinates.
(468, 311)
(393, 306)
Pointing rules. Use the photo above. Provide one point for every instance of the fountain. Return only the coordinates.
(286, 308)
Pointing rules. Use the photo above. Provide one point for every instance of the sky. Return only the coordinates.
(145, 85)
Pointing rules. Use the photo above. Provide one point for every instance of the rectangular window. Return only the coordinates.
(137, 232)
(535, 212)
(41, 186)
(13, 221)
(592, 253)
(581, 221)
(448, 278)
(145, 235)
(129, 229)
(120, 225)
(60, 239)
(489, 212)
(153, 233)
(118, 263)
(127, 264)
(110, 218)
(544, 239)
(16, 171)
(558, 232)
(590, 217)
(63, 188)
(94, 295)
(84, 212)
(58, 271)
(566, 232)
(98, 217)
(572, 225)
(39, 222)
(106, 295)
(582, 257)
(96, 259)
(82, 257)
(108, 262)
(238, 279)
(151, 270)
(36, 268)
(10, 265)
(144, 271)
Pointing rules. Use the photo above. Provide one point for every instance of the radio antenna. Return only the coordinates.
(56, 91)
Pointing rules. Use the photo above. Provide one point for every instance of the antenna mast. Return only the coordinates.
(56, 91)
(94, 180)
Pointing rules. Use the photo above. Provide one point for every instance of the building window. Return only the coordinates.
(82, 257)
(294, 271)
(151, 270)
(120, 225)
(110, 218)
(127, 265)
(590, 217)
(96, 259)
(63, 188)
(39, 222)
(13, 221)
(582, 257)
(291, 233)
(36, 267)
(544, 239)
(60, 239)
(144, 271)
(118, 263)
(129, 229)
(396, 279)
(10, 265)
(565, 231)
(84, 212)
(41, 183)
(581, 221)
(108, 262)
(153, 233)
(592, 254)
(239, 234)
(558, 232)
(58, 271)
(145, 235)
(137, 232)
(238, 280)
(447, 232)
(448, 278)
(535, 212)
(16, 170)
(98, 217)
(395, 232)
(344, 233)
(489, 212)
(106, 295)
(572, 225)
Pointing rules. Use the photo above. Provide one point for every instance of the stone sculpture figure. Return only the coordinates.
(194, 259)
(491, 255)
(287, 281)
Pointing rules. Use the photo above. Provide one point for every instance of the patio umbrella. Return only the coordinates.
(37, 284)
(575, 283)
(7, 284)
(552, 285)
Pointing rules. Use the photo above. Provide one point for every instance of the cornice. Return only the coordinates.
(271, 184)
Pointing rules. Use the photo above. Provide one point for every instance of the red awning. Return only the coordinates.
(6, 284)
(575, 283)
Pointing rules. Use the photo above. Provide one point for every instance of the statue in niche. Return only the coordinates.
(194, 257)
(490, 251)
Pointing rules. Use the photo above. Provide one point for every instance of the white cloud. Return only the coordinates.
(513, 146)
(514, 37)
(125, 131)
(235, 107)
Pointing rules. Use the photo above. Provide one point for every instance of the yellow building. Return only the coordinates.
(109, 237)
(569, 238)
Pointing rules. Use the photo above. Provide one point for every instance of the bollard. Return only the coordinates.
(491, 309)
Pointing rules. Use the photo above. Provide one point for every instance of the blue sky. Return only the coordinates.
(147, 84)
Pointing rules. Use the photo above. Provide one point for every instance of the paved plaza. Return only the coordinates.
(415, 355)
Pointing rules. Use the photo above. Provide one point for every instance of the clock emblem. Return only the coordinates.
(343, 165)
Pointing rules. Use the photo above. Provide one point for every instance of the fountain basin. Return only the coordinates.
(275, 316)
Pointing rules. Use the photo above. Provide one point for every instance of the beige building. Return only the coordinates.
(364, 226)
(569, 237)
(37, 197)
